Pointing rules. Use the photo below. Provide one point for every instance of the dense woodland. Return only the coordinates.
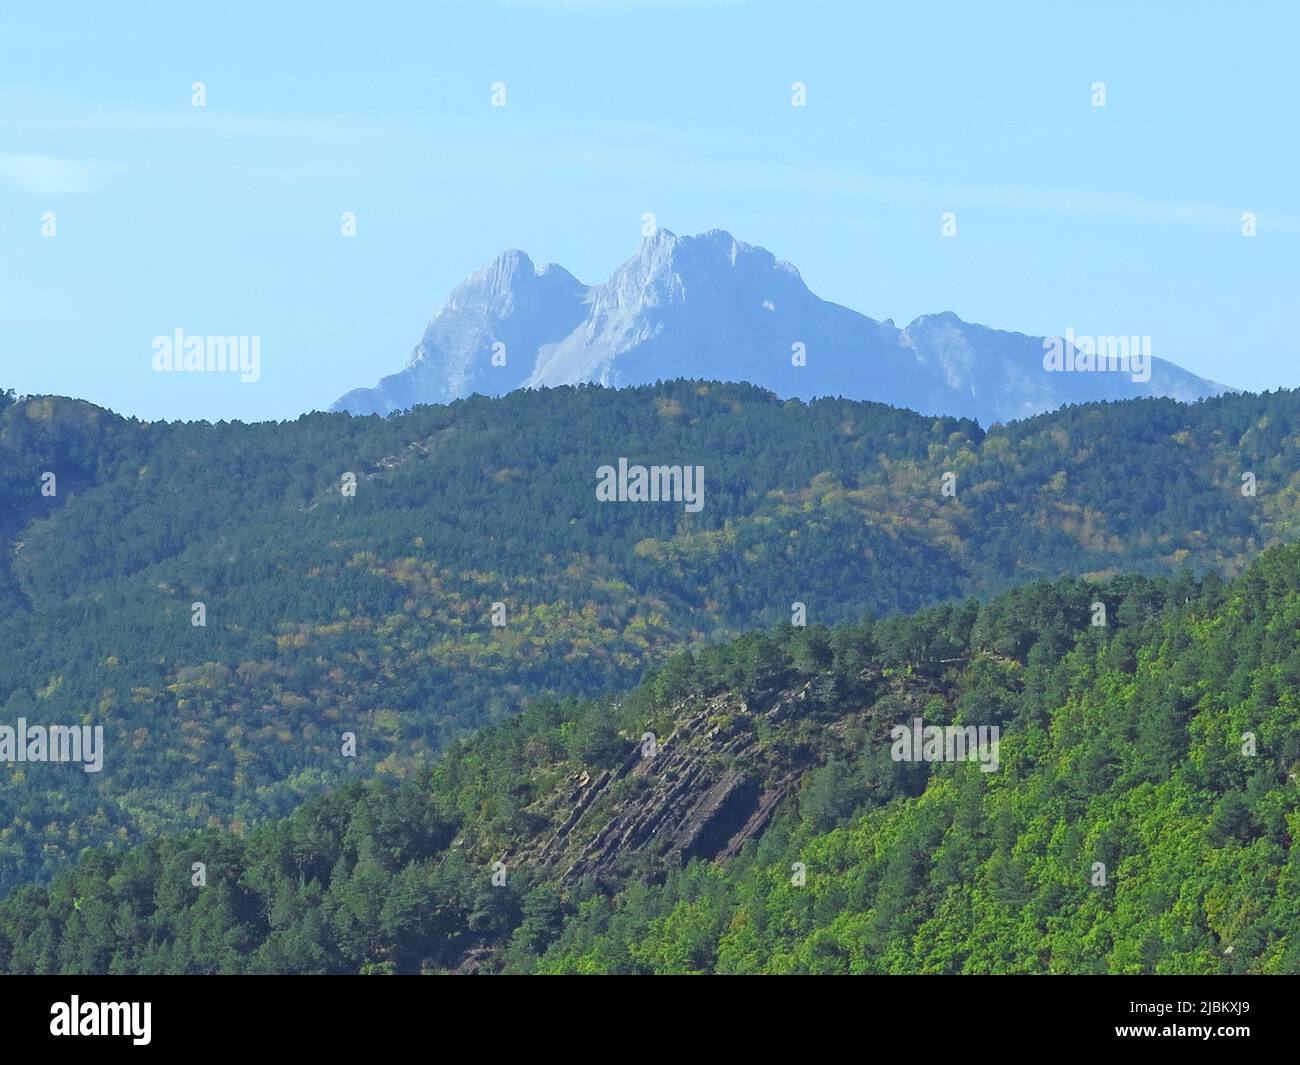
(1124, 744)
(371, 615)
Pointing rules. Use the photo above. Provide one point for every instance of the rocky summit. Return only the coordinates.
(714, 307)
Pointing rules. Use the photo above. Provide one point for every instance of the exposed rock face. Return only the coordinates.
(714, 307)
(717, 780)
(509, 303)
(708, 789)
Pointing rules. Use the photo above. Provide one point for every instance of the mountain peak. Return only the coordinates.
(666, 246)
(502, 274)
(661, 235)
(717, 241)
(941, 318)
(712, 306)
(556, 272)
(722, 240)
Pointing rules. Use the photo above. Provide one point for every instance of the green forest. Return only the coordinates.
(371, 615)
(1161, 748)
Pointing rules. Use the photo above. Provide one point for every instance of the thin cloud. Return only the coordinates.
(782, 178)
(179, 121)
(46, 175)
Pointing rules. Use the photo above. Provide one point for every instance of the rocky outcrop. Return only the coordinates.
(699, 793)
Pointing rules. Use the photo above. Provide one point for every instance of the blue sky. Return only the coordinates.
(226, 219)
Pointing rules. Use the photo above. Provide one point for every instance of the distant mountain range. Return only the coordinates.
(714, 307)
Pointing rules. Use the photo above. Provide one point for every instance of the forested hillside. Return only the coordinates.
(1142, 816)
(372, 615)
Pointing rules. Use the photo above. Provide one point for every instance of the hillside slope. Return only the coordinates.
(373, 614)
(1141, 817)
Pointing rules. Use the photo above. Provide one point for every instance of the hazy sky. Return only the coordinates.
(226, 219)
